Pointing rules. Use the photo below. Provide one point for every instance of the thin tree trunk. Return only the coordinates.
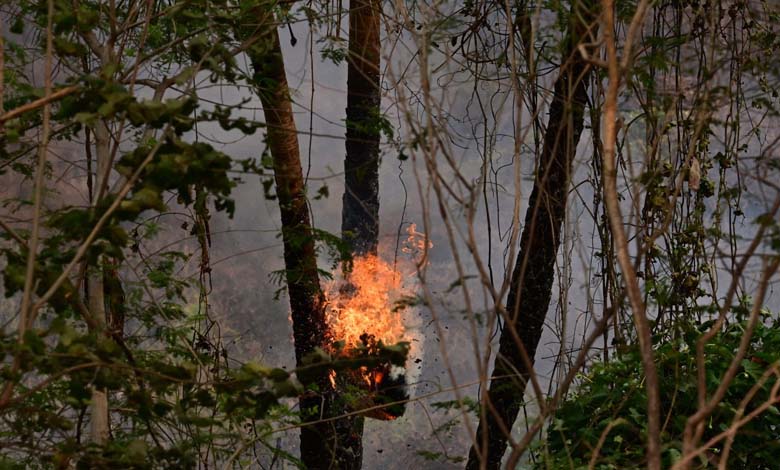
(360, 215)
(99, 416)
(620, 241)
(303, 286)
(532, 278)
(360, 212)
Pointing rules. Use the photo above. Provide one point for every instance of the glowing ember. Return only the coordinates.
(417, 245)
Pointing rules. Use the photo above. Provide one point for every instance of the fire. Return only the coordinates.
(363, 310)
(364, 303)
(417, 245)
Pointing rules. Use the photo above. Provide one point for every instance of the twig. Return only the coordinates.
(45, 101)
(10, 231)
(619, 235)
(32, 245)
(694, 427)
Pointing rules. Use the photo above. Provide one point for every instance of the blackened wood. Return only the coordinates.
(360, 211)
(360, 215)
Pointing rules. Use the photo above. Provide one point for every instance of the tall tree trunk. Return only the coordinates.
(303, 286)
(360, 216)
(534, 271)
(360, 212)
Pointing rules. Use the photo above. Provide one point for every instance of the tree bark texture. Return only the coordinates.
(360, 211)
(99, 417)
(99, 409)
(306, 299)
(360, 215)
(532, 278)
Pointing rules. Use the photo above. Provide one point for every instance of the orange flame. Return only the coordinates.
(365, 302)
(417, 245)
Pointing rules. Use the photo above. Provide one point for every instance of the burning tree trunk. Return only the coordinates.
(532, 278)
(360, 212)
(303, 287)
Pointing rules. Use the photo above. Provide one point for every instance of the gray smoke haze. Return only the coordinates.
(246, 249)
(249, 243)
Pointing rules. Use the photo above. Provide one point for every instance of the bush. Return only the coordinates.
(613, 395)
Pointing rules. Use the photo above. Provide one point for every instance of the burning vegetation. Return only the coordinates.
(362, 304)
(367, 309)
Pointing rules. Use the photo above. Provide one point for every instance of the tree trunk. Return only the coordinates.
(360, 215)
(534, 271)
(303, 287)
(360, 212)
(99, 416)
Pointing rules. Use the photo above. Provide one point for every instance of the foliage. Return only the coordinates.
(698, 100)
(611, 403)
(131, 72)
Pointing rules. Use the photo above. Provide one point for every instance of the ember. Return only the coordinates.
(383, 384)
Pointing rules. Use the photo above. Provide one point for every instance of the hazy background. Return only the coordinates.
(247, 249)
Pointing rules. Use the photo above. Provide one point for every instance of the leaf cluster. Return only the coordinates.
(613, 396)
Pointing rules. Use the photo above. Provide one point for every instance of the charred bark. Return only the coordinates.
(303, 286)
(360, 215)
(532, 278)
(360, 211)
(306, 301)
